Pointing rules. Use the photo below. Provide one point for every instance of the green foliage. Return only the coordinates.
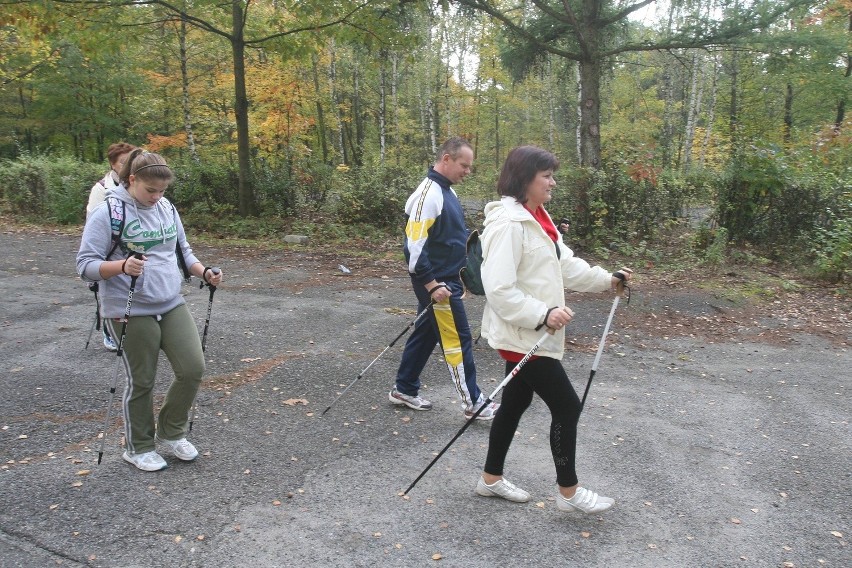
(768, 200)
(48, 189)
(207, 185)
(374, 195)
(606, 206)
(715, 252)
(832, 244)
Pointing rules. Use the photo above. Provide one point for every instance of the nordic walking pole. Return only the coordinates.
(120, 353)
(619, 292)
(97, 323)
(215, 270)
(488, 401)
(361, 374)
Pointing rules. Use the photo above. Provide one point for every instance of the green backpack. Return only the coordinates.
(471, 272)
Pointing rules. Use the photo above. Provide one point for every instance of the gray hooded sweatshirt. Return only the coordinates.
(153, 231)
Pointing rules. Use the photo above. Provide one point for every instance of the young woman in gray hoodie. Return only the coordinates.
(160, 319)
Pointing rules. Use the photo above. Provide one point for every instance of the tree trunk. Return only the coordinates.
(383, 56)
(551, 105)
(590, 114)
(397, 139)
(358, 146)
(247, 205)
(184, 84)
(320, 114)
(733, 111)
(841, 104)
(578, 131)
(696, 93)
(335, 101)
(788, 114)
(667, 135)
(711, 113)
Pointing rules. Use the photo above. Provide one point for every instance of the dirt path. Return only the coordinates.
(719, 420)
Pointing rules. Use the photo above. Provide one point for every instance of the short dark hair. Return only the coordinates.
(520, 168)
(452, 147)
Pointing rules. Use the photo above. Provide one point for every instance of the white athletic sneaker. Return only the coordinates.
(415, 402)
(148, 461)
(502, 488)
(584, 501)
(109, 343)
(182, 449)
(487, 413)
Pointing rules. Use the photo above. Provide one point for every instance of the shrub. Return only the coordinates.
(54, 189)
(374, 195)
(832, 244)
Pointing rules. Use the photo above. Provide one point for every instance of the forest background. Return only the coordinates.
(320, 117)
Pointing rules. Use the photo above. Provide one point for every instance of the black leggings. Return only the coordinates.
(546, 377)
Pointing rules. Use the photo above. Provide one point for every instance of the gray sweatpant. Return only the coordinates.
(175, 333)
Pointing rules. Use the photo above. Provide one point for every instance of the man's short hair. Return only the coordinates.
(452, 147)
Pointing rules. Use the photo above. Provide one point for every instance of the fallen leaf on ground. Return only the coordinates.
(735, 520)
(838, 534)
(436, 556)
(295, 401)
(84, 472)
(585, 534)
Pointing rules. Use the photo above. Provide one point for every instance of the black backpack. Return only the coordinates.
(471, 272)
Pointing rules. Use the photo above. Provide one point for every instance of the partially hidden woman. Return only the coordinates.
(526, 269)
(160, 319)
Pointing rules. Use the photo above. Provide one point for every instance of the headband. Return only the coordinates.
(150, 166)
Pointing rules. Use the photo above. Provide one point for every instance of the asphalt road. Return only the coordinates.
(718, 453)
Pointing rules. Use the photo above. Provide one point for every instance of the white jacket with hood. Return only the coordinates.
(523, 278)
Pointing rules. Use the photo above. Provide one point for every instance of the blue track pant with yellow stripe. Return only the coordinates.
(446, 324)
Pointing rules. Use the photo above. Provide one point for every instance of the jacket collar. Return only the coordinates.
(439, 178)
(515, 210)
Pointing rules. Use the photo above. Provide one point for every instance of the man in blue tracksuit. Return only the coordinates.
(435, 249)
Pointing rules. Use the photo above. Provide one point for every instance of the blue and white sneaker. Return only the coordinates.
(109, 343)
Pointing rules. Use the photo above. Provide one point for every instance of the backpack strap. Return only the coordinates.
(116, 221)
(181, 261)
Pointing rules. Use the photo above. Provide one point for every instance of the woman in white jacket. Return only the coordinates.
(525, 271)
